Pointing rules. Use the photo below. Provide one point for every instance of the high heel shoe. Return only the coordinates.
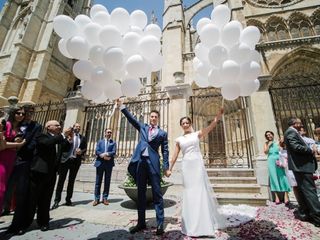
(277, 202)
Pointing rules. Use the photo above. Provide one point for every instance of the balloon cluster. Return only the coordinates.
(226, 56)
(114, 50)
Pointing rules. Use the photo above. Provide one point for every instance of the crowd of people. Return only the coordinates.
(31, 158)
(292, 164)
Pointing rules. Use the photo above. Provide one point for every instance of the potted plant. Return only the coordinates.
(130, 188)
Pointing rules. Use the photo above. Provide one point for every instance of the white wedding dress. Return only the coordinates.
(201, 214)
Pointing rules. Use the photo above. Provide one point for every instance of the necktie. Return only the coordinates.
(151, 129)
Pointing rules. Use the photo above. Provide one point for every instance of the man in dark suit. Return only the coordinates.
(302, 162)
(43, 171)
(145, 165)
(105, 151)
(31, 129)
(70, 162)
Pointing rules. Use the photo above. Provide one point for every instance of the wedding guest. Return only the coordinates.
(11, 142)
(105, 150)
(277, 175)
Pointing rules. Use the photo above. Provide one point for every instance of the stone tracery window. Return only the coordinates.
(315, 19)
(277, 29)
(299, 25)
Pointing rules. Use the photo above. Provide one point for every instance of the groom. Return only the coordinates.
(145, 166)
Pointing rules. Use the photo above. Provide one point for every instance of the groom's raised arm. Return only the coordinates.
(131, 118)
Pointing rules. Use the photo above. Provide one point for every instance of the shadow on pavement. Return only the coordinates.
(130, 204)
(261, 229)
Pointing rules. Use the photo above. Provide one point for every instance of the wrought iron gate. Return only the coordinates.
(296, 101)
(230, 144)
(100, 117)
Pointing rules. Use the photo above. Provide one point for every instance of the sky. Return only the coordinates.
(146, 5)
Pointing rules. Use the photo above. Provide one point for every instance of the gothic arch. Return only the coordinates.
(315, 19)
(299, 25)
(300, 67)
(276, 28)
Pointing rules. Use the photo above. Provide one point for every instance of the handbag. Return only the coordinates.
(283, 159)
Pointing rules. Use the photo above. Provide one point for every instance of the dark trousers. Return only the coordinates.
(72, 166)
(104, 169)
(308, 199)
(41, 190)
(145, 171)
(22, 173)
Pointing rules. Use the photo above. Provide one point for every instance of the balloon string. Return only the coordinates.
(222, 102)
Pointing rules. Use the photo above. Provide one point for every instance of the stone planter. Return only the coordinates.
(132, 192)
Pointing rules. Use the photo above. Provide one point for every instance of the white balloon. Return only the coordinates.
(113, 90)
(78, 47)
(91, 32)
(217, 55)
(82, 20)
(138, 18)
(82, 69)
(131, 87)
(136, 30)
(157, 63)
(110, 36)
(99, 99)
(250, 36)
(195, 62)
(201, 81)
(62, 45)
(154, 30)
(97, 8)
(101, 77)
(209, 35)
(230, 33)
(230, 91)
(249, 71)
(220, 15)
(130, 43)
(240, 53)
(201, 23)
(65, 27)
(90, 91)
(137, 66)
(249, 87)
(121, 19)
(113, 59)
(255, 56)
(149, 46)
(230, 71)
(96, 55)
(203, 69)
(214, 78)
(201, 52)
(102, 18)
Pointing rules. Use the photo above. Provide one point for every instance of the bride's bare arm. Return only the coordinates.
(212, 125)
(174, 157)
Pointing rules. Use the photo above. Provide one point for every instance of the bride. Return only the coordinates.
(200, 216)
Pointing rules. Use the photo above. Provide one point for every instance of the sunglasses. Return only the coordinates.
(109, 132)
(20, 113)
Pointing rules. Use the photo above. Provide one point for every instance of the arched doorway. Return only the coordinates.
(295, 89)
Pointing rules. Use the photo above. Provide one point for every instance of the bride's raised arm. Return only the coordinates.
(212, 125)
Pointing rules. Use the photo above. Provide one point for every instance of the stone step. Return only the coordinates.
(229, 180)
(252, 199)
(236, 188)
(230, 172)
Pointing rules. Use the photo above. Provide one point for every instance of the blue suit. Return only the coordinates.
(144, 168)
(104, 167)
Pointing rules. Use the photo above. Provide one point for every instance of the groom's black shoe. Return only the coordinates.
(137, 228)
(160, 230)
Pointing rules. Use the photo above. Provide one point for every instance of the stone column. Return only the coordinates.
(75, 110)
(262, 120)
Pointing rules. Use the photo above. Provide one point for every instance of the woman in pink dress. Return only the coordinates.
(10, 142)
